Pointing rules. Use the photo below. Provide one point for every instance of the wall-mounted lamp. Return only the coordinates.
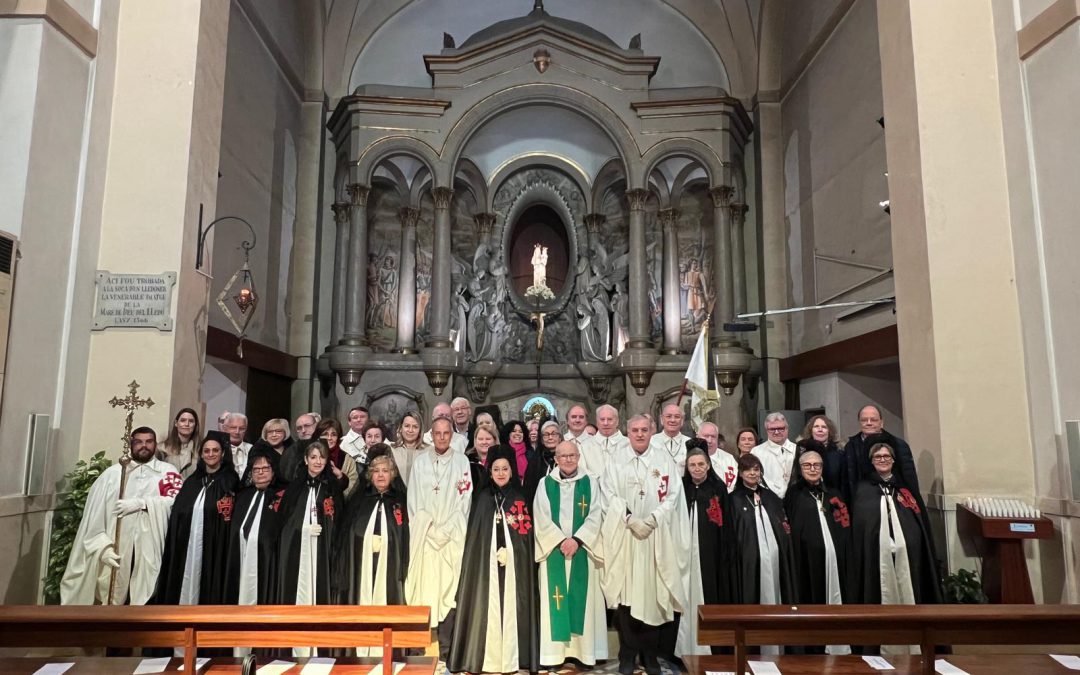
(245, 298)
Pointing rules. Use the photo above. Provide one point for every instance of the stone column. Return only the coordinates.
(672, 307)
(406, 306)
(439, 323)
(485, 222)
(961, 338)
(721, 196)
(593, 222)
(738, 257)
(639, 277)
(356, 277)
(341, 270)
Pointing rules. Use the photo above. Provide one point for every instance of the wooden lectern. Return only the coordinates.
(1004, 569)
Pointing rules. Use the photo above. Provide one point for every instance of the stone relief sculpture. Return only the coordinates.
(597, 277)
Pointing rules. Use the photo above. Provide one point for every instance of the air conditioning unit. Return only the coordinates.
(8, 250)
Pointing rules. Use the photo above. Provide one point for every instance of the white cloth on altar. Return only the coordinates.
(142, 536)
(591, 645)
(646, 575)
(437, 523)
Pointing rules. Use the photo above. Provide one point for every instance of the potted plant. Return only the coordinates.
(963, 588)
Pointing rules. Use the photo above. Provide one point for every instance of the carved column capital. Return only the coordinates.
(668, 217)
(484, 223)
(408, 216)
(358, 194)
(738, 211)
(637, 198)
(593, 221)
(341, 213)
(442, 196)
(721, 195)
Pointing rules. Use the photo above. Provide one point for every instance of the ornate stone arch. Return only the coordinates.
(611, 173)
(517, 164)
(686, 147)
(606, 119)
(468, 173)
(387, 147)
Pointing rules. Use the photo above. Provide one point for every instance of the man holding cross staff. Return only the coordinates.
(117, 551)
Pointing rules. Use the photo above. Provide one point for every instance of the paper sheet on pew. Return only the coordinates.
(199, 663)
(275, 667)
(318, 665)
(53, 669)
(764, 667)
(719, 672)
(945, 668)
(1070, 661)
(377, 670)
(152, 665)
(878, 663)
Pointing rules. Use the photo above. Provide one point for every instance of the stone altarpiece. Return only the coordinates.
(426, 300)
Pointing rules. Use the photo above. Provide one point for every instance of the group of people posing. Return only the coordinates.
(519, 536)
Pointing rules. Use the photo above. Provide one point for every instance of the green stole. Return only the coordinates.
(567, 603)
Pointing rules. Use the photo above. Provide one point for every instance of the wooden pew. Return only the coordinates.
(929, 626)
(191, 627)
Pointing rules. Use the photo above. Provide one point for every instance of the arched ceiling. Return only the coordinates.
(700, 42)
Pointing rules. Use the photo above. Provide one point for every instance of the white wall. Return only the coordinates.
(224, 388)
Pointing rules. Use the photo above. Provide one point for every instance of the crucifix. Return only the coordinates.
(558, 599)
(584, 505)
(131, 403)
(436, 488)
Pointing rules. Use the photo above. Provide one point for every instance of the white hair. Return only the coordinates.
(315, 416)
(460, 399)
(606, 406)
(775, 417)
(549, 423)
(236, 417)
(638, 418)
(708, 424)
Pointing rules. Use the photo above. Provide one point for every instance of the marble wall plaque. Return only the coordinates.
(134, 301)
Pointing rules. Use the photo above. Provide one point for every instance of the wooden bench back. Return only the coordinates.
(216, 626)
(926, 625)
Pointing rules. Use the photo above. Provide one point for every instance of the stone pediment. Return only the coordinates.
(570, 45)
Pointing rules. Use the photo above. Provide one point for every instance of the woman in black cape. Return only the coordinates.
(820, 537)
(311, 508)
(763, 541)
(255, 532)
(501, 540)
(713, 536)
(890, 531)
(821, 435)
(204, 506)
(373, 547)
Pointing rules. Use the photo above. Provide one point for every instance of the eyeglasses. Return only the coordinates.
(882, 458)
(775, 430)
(551, 432)
(811, 465)
(260, 469)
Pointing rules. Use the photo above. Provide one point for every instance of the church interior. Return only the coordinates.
(855, 201)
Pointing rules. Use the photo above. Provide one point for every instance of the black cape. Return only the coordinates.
(540, 465)
(859, 466)
(330, 507)
(808, 545)
(716, 537)
(470, 625)
(834, 471)
(477, 470)
(349, 558)
(747, 567)
(217, 512)
(269, 534)
(866, 525)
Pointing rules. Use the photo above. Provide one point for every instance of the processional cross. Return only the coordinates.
(131, 403)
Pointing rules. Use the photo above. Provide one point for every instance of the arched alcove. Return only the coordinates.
(539, 224)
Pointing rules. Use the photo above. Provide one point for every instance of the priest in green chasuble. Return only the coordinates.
(567, 515)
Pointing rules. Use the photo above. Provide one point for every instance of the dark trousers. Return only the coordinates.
(444, 634)
(637, 638)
